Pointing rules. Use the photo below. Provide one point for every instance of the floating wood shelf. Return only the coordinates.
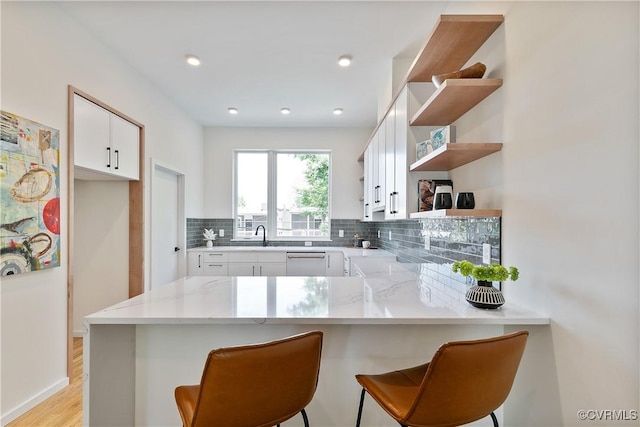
(444, 213)
(453, 41)
(452, 100)
(450, 156)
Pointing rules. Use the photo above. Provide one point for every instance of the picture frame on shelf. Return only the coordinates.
(442, 136)
(422, 149)
(426, 191)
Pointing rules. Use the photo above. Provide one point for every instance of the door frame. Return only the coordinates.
(181, 232)
(136, 216)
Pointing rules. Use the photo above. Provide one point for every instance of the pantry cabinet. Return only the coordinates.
(104, 143)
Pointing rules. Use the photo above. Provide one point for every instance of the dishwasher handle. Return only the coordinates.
(305, 255)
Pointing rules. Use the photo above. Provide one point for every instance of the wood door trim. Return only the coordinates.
(136, 217)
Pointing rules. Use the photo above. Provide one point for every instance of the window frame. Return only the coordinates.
(272, 195)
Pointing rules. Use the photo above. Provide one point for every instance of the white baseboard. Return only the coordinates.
(35, 400)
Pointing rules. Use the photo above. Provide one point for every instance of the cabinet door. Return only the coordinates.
(243, 269)
(368, 185)
(391, 207)
(194, 264)
(335, 264)
(125, 148)
(91, 135)
(378, 168)
(272, 269)
(404, 158)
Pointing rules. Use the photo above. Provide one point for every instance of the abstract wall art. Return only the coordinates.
(29, 195)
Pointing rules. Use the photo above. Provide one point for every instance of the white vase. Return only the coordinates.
(209, 243)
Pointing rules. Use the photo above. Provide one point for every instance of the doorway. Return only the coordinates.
(168, 237)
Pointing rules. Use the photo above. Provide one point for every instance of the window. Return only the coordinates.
(285, 191)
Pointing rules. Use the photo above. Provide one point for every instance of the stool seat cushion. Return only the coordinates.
(395, 391)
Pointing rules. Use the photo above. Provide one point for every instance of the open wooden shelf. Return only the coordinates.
(452, 100)
(453, 41)
(450, 156)
(444, 213)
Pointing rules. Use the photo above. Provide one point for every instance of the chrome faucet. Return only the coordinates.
(264, 234)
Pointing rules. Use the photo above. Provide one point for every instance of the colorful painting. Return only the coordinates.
(29, 195)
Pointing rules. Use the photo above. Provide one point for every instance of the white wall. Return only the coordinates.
(43, 51)
(101, 249)
(567, 181)
(346, 145)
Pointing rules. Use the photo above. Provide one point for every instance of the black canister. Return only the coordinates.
(465, 201)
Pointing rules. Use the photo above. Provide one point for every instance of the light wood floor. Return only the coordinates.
(63, 409)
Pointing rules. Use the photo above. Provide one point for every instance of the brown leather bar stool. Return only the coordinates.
(257, 385)
(464, 382)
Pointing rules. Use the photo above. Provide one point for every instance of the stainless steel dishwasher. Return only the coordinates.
(306, 264)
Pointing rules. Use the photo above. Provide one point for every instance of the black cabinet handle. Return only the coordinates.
(108, 157)
(176, 249)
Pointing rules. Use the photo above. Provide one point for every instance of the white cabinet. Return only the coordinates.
(104, 142)
(402, 186)
(257, 263)
(207, 263)
(194, 263)
(367, 214)
(335, 264)
(378, 168)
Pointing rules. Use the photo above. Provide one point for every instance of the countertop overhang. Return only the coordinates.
(397, 299)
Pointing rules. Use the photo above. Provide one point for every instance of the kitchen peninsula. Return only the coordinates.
(138, 351)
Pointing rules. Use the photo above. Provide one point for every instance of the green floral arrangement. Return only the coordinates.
(487, 273)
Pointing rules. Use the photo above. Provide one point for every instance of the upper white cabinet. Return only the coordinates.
(104, 142)
(378, 169)
(367, 204)
(402, 187)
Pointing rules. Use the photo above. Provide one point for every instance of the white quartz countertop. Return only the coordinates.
(396, 299)
(349, 251)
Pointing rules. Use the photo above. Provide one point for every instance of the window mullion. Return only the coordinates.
(272, 196)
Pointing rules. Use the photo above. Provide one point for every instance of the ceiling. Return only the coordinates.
(264, 55)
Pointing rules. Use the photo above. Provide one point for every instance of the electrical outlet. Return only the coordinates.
(221, 232)
(308, 243)
(486, 253)
(390, 235)
(340, 233)
(378, 234)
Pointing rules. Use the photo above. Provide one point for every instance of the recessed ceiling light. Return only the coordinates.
(344, 60)
(233, 110)
(285, 110)
(337, 111)
(192, 60)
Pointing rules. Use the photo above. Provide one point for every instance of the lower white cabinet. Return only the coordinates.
(252, 263)
(206, 263)
(335, 264)
(257, 263)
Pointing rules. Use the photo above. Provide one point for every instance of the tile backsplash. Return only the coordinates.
(432, 241)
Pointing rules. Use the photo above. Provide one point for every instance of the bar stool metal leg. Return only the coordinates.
(360, 408)
(495, 420)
